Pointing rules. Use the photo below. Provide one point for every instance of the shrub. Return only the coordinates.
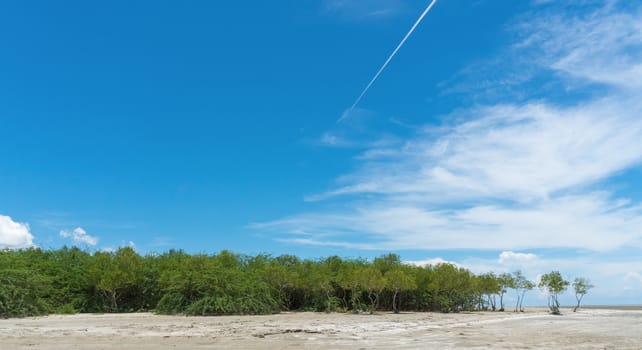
(20, 294)
(67, 309)
(171, 303)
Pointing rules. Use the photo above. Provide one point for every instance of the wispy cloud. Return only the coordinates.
(79, 236)
(508, 175)
(509, 152)
(589, 221)
(363, 130)
(14, 235)
(363, 10)
(601, 46)
(586, 44)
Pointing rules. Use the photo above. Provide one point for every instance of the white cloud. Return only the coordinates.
(508, 257)
(123, 244)
(591, 222)
(602, 46)
(508, 176)
(79, 236)
(129, 244)
(433, 261)
(508, 151)
(14, 235)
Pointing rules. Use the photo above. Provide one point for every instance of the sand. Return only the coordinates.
(534, 329)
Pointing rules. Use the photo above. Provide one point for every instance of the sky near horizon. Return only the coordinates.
(504, 135)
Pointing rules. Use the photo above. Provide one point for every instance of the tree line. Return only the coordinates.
(70, 280)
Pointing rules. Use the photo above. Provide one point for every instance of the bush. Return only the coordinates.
(225, 305)
(67, 309)
(20, 294)
(333, 304)
(171, 303)
(211, 306)
(257, 305)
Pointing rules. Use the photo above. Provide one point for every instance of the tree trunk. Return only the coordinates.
(373, 299)
(521, 302)
(394, 302)
(555, 308)
(328, 302)
(114, 302)
(579, 300)
(354, 298)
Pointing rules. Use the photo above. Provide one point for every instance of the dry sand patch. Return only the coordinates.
(534, 329)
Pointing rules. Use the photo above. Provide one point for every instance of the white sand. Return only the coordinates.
(534, 329)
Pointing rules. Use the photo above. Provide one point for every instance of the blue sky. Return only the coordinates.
(504, 135)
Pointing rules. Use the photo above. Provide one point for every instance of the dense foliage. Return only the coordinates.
(69, 280)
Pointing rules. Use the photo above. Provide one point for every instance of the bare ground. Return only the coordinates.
(595, 328)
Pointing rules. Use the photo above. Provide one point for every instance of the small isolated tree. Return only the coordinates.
(521, 286)
(554, 284)
(505, 281)
(581, 286)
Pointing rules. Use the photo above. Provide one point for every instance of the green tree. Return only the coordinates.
(348, 279)
(283, 276)
(423, 297)
(67, 280)
(554, 284)
(321, 279)
(521, 285)
(373, 282)
(581, 287)
(387, 262)
(487, 285)
(118, 274)
(183, 279)
(452, 287)
(23, 293)
(398, 281)
(505, 281)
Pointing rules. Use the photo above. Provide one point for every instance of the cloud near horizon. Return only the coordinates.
(509, 256)
(432, 261)
(14, 235)
(509, 175)
(79, 236)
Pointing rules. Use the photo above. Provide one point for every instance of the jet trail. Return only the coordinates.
(356, 102)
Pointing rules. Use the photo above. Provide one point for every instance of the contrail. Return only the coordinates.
(356, 102)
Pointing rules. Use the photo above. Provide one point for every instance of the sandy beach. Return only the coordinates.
(595, 328)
